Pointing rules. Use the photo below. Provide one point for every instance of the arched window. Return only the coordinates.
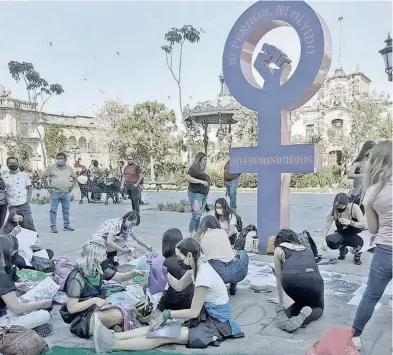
(91, 148)
(71, 143)
(82, 144)
(335, 158)
(309, 131)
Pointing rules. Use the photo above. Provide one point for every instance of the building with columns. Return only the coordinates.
(82, 132)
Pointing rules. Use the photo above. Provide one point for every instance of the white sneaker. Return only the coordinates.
(357, 342)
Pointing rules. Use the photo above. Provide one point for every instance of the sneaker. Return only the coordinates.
(357, 342)
(103, 337)
(44, 330)
(68, 228)
(53, 229)
(343, 252)
(356, 259)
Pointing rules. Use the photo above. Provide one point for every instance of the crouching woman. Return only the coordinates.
(210, 312)
(298, 276)
(86, 294)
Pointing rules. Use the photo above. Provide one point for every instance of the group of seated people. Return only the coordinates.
(198, 270)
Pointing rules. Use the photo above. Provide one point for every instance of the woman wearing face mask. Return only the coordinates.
(350, 221)
(198, 189)
(30, 315)
(85, 293)
(230, 265)
(118, 233)
(210, 298)
(171, 299)
(12, 226)
(226, 218)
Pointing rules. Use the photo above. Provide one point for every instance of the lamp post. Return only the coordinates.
(387, 56)
(75, 150)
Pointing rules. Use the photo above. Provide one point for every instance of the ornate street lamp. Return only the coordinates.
(387, 56)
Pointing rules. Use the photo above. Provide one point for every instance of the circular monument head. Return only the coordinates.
(311, 72)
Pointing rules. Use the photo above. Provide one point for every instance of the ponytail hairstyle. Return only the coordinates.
(207, 222)
(190, 245)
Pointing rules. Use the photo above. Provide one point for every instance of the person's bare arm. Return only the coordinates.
(76, 306)
(372, 219)
(110, 242)
(12, 303)
(328, 223)
(192, 180)
(351, 172)
(29, 193)
(358, 214)
(182, 284)
(277, 267)
(126, 276)
(196, 305)
(140, 178)
(141, 242)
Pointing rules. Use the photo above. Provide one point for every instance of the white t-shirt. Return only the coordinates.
(225, 225)
(17, 187)
(217, 292)
(215, 245)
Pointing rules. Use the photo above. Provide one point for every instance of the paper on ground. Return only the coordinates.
(42, 254)
(368, 240)
(45, 290)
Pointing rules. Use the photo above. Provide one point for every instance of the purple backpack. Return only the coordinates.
(158, 273)
(63, 268)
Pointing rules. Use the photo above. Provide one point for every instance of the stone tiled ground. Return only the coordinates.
(252, 310)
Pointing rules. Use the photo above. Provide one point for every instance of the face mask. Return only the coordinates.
(13, 167)
(60, 162)
(341, 210)
(219, 211)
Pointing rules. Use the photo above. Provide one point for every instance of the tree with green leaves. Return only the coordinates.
(39, 92)
(54, 139)
(149, 134)
(245, 132)
(176, 38)
(17, 147)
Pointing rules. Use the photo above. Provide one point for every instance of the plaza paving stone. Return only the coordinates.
(252, 310)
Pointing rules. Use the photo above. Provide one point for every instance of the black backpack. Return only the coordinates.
(239, 223)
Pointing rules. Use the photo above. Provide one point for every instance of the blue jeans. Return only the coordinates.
(232, 271)
(197, 204)
(378, 278)
(231, 187)
(64, 199)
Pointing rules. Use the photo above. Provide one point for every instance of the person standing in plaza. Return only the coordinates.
(198, 189)
(60, 175)
(132, 179)
(377, 191)
(231, 182)
(19, 190)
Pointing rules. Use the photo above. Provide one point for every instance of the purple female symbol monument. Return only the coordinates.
(273, 159)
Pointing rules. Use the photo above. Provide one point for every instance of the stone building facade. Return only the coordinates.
(82, 132)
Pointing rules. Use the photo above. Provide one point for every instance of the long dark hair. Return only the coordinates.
(190, 245)
(207, 222)
(130, 216)
(197, 161)
(169, 241)
(7, 247)
(9, 224)
(226, 209)
(367, 146)
(286, 235)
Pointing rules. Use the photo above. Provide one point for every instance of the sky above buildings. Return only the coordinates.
(69, 42)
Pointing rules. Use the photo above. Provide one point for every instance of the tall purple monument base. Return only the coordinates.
(274, 158)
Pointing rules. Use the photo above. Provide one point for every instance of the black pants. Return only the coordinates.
(307, 290)
(134, 193)
(339, 240)
(3, 213)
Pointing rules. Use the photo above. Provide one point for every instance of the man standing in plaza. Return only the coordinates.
(19, 190)
(60, 175)
(132, 179)
(231, 182)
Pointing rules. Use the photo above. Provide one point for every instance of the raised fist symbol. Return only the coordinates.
(272, 55)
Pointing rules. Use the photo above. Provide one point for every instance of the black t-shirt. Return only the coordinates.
(173, 266)
(6, 286)
(200, 175)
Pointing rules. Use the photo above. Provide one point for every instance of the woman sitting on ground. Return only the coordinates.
(210, 298)
(119, 236)
(85, 293)
(298, 276)
(230, 265)
(227, 219)
(349, 221)
(31, 315)
(171, 299)
(12, 226)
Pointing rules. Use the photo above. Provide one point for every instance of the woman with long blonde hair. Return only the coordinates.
(198, 189)
(377, 200)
